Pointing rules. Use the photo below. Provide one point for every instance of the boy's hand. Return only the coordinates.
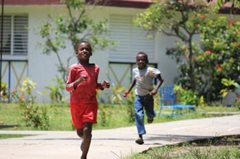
(125, 94)
(79, 80)
(105, 84)
(153, 92)
(83, 78)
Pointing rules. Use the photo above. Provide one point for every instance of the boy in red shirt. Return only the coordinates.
(82, 83)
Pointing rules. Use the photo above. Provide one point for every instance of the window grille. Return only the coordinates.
(15, 35)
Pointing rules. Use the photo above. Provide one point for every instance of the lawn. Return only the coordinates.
(109, 116)
(113, 116)
(225, 147)
(6, 136)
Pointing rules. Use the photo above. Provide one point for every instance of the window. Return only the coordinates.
(15, 34)
(129, 40)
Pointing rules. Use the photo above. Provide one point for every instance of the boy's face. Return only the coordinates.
(83, 52)
(141, 61)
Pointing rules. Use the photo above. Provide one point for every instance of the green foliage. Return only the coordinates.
(185, 96)
(180, 20)
(235, 4)
(105, 115)
(4, 92)
(177, 15)
(36, 117)
(117, 98)
(193, 150)
(150, 19)
(102, 117)
(220, 58)
(56, 91)
(203, 65)
(74, 25)
(115, 116)
(229, 85)
(130, 107)
(7, 136)
(117, 95)
(33, 116)
(202, 102)
(24, 95)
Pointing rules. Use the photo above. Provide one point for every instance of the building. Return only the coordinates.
(23, 56)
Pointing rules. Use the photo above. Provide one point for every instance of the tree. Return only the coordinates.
(203, 64)
(234, 3)
(71, 27)
(181, 19)
(220, 59)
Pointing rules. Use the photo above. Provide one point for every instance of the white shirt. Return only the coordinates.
(144, 79)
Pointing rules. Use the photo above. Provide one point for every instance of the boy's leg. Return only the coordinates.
(87, 137)
(139, 118)
(149, 108)
(140, 140)
(80, 132)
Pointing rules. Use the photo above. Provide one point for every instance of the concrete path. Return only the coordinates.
(114, 143)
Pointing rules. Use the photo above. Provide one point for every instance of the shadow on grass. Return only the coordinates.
(227, 140)
(216, 141)
(8, 126)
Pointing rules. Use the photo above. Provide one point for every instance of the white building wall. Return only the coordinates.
(42, 68)
(166, 64)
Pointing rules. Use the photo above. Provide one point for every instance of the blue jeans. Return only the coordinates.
(141, 102)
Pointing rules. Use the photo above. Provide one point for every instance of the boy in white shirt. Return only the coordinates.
(144, 76)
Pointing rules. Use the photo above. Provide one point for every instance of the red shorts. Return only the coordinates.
(83, 113)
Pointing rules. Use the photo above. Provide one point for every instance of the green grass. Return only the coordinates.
(215, 148)
(109, 116)
(11, 117)
(114, 116)
(6, 136)
(225, 152)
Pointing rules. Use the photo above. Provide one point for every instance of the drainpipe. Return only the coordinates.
(1, 47)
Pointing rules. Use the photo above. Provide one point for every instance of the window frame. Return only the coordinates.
(17, 27)
(129, 39)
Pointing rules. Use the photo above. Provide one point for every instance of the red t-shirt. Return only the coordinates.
(85, 92)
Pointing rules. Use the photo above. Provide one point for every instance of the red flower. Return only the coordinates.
(202, 16)
(21, 98)
(208, 52)
(231, 22)
(219, 68)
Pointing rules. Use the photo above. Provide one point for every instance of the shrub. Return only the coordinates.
(56, 91)
(33, 116)
(185, 96)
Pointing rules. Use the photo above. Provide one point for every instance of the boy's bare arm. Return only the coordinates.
(79, 80)
(160, 82)
(103, 85)
(130, 88)
(74, 84)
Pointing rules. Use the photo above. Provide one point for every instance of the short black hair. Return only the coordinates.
(82, 41)
(143, 53)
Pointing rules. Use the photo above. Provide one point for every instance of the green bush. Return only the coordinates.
(36, 117)
(56, 91)
(185, 96)
(33, 116)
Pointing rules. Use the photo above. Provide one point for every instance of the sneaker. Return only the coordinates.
(139, 141)
(150, 120)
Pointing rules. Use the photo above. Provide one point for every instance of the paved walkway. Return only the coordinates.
(114, 143)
